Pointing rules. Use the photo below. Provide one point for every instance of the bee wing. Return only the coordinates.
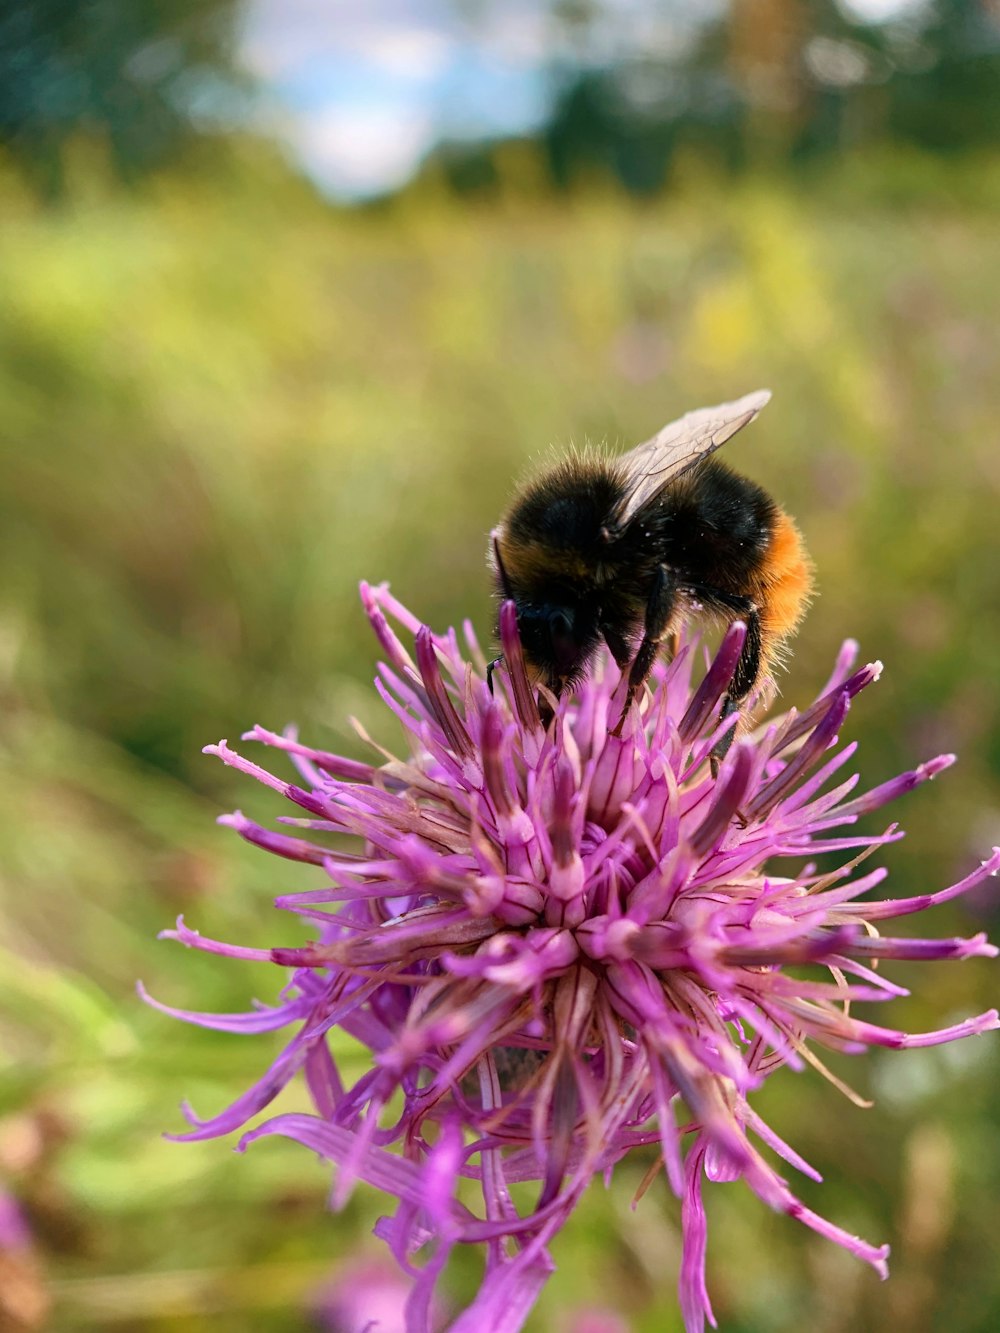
(650, 466)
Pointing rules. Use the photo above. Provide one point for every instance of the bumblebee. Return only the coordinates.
(622, 550)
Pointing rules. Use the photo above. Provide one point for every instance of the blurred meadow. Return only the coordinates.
(226, 397)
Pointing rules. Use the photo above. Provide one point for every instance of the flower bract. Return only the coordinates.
(561, 946)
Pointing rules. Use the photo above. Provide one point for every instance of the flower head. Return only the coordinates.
(561, 944)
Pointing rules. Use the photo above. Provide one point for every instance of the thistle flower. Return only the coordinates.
(365, 1296)
(561, 944)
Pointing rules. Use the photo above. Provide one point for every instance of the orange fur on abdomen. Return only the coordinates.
(784, 585)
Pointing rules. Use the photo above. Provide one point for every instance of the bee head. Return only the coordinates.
(558, 640)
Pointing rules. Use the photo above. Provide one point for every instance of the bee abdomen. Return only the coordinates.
(786, 579)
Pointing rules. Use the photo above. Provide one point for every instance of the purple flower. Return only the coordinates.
(560, 945)
(596, 1321)
(15, 1234)
(25, 1302)
(366, 1296)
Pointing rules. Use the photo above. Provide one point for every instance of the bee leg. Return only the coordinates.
(747, 671)
(748, 665)
(745, 677)
(618, 645)
(721, 747)
(659, 610)
(490, 668)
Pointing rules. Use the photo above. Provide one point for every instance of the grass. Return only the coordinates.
(221, 405)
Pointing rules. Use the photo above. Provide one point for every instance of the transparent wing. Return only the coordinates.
(677, 447)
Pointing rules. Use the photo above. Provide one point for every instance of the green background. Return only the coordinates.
(223, 402)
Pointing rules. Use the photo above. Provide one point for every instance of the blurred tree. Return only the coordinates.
(752, 82)
(765, 40)
(141, 76)
(946, 93)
